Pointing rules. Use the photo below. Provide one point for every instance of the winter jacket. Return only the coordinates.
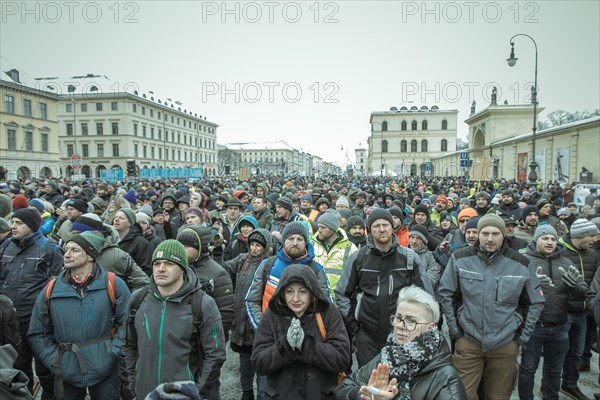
(513, 211)
(25, 267)
(113, 259)
(242, 269)
(587, 263)
(264, 218)
(47, 224)
(334, 259)
(491, 300)
(152, 238)
(434, 234)
(263, 288)
(13, 382)
(437, 380)
(6, 209)
(237, 246)
(524, 231)
(278, 224)
(54, 198)
(432, 268)
(9, 325)
(82, 317)
(160, 344)
(557, 297)
(515, 243)
(367, 291)
(597, 308)
(134, 244)
(309, 373)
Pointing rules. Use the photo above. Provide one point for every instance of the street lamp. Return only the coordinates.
(512, 60)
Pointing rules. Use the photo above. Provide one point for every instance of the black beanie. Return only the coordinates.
(285, 202)
(259, 238)
(189, 237)
(79, 205)
(379, 213)
(353, 221)
(472, 223)
(30, 217)
(422, 208)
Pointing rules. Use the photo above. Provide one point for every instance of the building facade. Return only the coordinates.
(29, 146)
(106, 125)
(403, 141)
(500, 146)
(360, 163)
(263, 158)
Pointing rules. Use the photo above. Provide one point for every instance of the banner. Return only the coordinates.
(540, 159)
(154, 173)
(112, 175)
(522, 167)
(582, 191)
(561, 165)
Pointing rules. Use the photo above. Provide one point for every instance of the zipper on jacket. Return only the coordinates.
(146, 325)
(391, 286)
(160, 336)
(378, 284)
(190, 375)
(496, 290)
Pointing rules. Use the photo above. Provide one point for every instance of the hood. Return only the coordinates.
(5, 206)
(146, 209)
(204, 233)
(190, 284)
(111, 236)
(250, 219)
(264, 187)
(304, 275)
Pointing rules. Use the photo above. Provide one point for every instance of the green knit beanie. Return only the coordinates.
(91, 242)
(171, 250)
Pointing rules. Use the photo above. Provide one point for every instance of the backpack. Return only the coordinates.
(341, 375)
(267, 294)
(111, 289)
(362, 254)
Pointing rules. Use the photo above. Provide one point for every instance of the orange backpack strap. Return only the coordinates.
(112, 288)
(321, 326)
(48, 292)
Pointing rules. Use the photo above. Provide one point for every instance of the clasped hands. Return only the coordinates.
(295, 334)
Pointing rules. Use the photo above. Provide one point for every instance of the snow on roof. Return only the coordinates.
(547, 130)
(258, 146)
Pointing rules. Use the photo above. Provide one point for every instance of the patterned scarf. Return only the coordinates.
(407, 360)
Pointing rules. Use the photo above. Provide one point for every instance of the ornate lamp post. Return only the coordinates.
(512, 60)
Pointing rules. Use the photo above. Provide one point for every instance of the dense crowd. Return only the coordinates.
(132, 290)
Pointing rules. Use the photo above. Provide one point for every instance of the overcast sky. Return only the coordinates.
(310, 73)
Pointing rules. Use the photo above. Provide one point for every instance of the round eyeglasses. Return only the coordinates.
(409, 324)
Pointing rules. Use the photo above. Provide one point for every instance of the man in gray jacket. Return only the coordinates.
(491, 300)
(163, 341)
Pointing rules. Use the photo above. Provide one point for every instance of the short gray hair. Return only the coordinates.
(416, 295)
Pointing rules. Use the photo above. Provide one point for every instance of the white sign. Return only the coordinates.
(582, 191)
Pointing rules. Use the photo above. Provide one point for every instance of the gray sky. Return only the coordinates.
(310, 73)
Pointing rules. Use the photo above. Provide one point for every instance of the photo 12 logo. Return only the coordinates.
(69, 11)
(453, 12)
(270, 92)
(456, 92)
(252, 12)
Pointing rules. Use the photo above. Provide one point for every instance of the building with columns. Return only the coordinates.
(360, 168)
(403, 141)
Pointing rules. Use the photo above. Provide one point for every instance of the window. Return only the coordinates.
(384, 126)
(135, 131)
(43, 111)
(158, 114)
(100, 149)
(145, 151)
(413, 125)
(160, 153)
(44, 142)
(83, 107)
(135, 150)
(114, 106)
(424, 125)
(403, 146)
(9, 104)
(69, 150)
(444, 145)
(172, 136)
(69, 129)
(144, 130)
(151, 113)
(423, 146)
(84, 128)
(115, 149)
(134, 108)
(69, 107)
(384, 146)
(152, 152)
(98, 106)
(27, 108)
(413, 146)
(151, 132)
(143, 110)
(115, 128)
(444, 125)
(159, 134)
(179, 138)
(11, 139)
(167, 153)
(99, 128)
(403, 125)
(179, 155)
(172, 119)
(172, 154)
(85, 150)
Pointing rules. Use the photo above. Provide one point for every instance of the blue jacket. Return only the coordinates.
(78, 319)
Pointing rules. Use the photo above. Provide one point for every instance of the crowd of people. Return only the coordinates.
(133, 290)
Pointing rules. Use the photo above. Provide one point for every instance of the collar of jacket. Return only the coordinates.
(29, 240)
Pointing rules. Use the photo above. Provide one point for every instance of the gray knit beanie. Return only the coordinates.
(331, 219)
(295, 228)
(543, 230)
(582, 227)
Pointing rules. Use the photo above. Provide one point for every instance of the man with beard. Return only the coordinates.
(439, 206)
(530, 217)
(51, 194)
(355, 228)
(102, 192)
(231, 219)
(361, 199)
(499, 299)
(509, 206)
(262, 214)
(382, 263)
(482, 203)
(421, 217)
(546, 217)
(513, 242)
(284, 216)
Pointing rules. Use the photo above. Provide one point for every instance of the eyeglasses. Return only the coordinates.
(409, 324)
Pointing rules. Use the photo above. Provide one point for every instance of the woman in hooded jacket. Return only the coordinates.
(300, 362)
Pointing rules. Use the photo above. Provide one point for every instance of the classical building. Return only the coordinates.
(106, 124)
(360, 163)
(29, 145)
(500, 146)
(404, 140)
(265, 158)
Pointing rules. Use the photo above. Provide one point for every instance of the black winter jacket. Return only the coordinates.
(437, 381)
(138, 248)
(310, 373)
(587, 263)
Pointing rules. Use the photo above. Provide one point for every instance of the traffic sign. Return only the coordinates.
(76, 161)
(464, 163)
(464, 155)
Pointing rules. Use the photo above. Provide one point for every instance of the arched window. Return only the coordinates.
(413, 126)
(403, 146)
(424, 125)
(403, 127)
(423, 146)
(384, 126)
(444, 145)
(444, 125)
(384, 146)
(413, 145)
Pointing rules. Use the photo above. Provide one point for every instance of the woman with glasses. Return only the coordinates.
(415, 363)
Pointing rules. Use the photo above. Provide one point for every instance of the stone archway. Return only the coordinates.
(23, 174)
(99, 170)
(45, 172)
(87, 171)
(478, 140)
